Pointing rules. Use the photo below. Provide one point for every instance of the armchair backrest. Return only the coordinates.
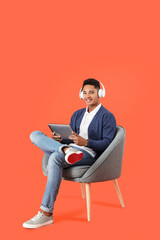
(109, 165)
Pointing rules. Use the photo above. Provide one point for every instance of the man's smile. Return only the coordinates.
(88, 100)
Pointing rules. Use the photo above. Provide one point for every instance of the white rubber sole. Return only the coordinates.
(26, 225)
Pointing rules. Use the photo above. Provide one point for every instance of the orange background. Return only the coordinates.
(47, 49)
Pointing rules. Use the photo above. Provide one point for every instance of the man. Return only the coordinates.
(93, 130)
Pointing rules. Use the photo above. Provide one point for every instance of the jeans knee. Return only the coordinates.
(33, 135)
(56, 158)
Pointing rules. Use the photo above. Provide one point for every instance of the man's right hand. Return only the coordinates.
(56, 137)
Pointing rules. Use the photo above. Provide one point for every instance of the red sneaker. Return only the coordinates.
(73, 155)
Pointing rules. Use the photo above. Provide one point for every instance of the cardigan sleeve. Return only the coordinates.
(108, 133)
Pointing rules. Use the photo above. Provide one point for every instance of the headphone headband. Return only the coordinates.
(101, 92)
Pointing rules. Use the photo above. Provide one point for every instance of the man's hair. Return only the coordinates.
(91, 81)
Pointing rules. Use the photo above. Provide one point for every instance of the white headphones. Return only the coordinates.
(101, 92)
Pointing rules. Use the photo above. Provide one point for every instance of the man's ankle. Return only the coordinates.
(64, 149)
(46, 213)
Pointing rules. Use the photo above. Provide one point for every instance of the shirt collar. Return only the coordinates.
(94, 111)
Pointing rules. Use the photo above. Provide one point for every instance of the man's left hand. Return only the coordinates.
(78, 139)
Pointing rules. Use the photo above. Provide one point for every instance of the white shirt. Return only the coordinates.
(86, 120)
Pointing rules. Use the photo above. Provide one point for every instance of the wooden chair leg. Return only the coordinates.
(82, 190)
(88, 201)
(118, 192)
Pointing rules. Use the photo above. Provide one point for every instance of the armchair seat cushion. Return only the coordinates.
(75, 172)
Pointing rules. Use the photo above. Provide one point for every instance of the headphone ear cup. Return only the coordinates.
(100, 93)
(81, 94)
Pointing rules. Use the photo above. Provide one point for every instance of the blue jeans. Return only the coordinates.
(56, 163)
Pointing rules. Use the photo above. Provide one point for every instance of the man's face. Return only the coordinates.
(90, 95)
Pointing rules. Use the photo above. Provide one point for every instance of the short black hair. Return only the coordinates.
(91, 81)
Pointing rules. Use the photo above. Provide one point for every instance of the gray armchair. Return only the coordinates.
(107, 167)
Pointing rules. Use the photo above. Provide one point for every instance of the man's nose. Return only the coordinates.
(88, 95)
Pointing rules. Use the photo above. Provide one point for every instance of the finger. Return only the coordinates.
(56, 137)
(53, 133)
(72, 137)
(76, 142)
(75, 134)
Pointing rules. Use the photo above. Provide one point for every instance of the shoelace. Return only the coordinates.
(37, 217)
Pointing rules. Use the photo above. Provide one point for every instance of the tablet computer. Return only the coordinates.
(63, 130)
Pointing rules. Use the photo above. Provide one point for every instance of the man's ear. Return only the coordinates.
(97, 92)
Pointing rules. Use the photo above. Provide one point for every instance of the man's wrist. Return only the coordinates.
(86, 145)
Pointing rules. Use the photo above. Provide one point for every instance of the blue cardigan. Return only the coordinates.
(101, 130)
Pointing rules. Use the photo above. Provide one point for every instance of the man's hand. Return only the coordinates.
(56, 137)
(78, 139)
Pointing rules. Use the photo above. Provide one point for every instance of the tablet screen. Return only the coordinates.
(63, 130)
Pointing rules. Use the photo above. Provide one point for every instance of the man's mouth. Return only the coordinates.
(88, 100)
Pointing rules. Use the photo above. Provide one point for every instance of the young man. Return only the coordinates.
(93, 130)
